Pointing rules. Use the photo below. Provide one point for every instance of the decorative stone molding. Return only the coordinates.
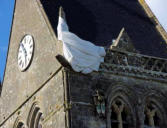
(134, 64)
(120, 114)
(118, 103)
(35, 116)
(153, 114)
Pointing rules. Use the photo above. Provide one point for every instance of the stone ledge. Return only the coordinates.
(134, 64)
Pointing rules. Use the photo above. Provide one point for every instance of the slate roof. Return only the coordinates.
(100, 21)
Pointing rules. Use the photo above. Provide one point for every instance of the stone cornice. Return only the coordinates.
(135, 64)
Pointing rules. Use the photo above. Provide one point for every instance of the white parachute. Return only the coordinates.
(82, 55)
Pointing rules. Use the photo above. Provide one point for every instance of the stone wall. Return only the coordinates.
(135, 92)
(39, 80)
(48, 100)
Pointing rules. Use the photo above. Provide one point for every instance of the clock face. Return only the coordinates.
(25, 52)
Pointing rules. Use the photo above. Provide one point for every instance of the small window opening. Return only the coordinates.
(114, 121)
(146, 119)
(124, 118)
(156, 120)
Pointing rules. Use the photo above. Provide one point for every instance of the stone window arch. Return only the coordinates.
(120, 114)
(153, 117)
(35, 117)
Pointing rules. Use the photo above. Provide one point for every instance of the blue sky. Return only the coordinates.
(6, 13)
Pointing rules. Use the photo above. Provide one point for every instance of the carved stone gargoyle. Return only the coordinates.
(123, 43)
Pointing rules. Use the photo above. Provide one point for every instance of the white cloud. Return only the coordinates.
(159, 8)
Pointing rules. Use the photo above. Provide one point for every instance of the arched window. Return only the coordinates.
(120, 114)
(35, 117)
(153, 116)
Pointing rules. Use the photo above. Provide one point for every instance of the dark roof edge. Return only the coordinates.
(151, 15)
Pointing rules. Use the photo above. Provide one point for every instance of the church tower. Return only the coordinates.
(41, 90)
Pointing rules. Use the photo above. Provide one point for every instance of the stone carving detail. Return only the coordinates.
(35, 117)
(118, 109)
(150, 113)
(119, 114)
(118, 61)
(123, 42)
(153, 117)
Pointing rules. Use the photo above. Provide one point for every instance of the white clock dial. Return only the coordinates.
(25, 52)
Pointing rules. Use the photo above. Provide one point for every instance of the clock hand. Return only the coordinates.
(25, 53)
(25, 56)
(22, 45)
